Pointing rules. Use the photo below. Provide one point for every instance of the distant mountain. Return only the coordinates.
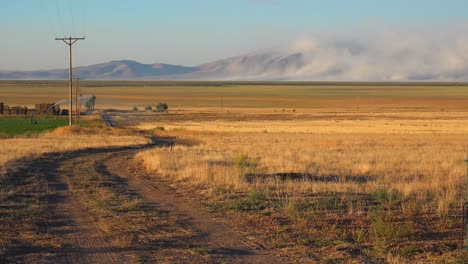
(321, 59)
(377, 55)
(117, 70)
(256, 66)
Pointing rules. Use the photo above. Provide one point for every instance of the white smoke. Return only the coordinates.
(439, 54)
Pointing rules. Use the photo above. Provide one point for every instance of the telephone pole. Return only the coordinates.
(77, 111)
(70, 41)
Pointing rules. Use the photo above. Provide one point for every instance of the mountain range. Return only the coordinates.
(248, 67)
(379, 57)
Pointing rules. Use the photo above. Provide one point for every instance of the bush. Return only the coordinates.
(148, 108)
(135, 108)
(385, 228)
(246, 167)
(162, 107)
(242, 161)
(383, 195)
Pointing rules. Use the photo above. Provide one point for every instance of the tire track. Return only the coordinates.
(181, 230)
(80, 239)
(215, 234)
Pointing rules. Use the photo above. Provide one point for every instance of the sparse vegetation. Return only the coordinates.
(162, 107)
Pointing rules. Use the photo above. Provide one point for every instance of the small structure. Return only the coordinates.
(47, 109)
(18, 110)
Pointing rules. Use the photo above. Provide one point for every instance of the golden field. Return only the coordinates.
(428, 167)
(334, 173)
(393, 178)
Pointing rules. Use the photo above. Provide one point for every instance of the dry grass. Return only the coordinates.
(427, 168)
(61, 140)
(125, 95)
(360, 186)
(305, 121)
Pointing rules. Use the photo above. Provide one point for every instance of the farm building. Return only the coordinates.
(47, 109)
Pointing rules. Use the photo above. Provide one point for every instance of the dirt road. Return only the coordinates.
(101, 208)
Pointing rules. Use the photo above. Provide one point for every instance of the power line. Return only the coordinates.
(72, 16)
(83, 17)
(70, 41)
(59, 18)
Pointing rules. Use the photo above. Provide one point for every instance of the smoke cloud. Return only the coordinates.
(439, 54)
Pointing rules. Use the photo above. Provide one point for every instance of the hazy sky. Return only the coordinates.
(192, 32)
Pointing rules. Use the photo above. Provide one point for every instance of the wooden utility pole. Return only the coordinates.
(76, 100)
(70, 41)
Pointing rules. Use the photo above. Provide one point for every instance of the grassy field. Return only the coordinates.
(316, 96)
(22, 125)
(332, 172)
(372, 184)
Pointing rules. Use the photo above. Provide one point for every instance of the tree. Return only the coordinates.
(162, 107)
(91, 103)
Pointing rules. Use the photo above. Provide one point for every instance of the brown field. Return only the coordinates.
(371, 175)
(318, 97)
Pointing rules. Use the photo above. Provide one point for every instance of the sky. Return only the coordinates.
(192, 32)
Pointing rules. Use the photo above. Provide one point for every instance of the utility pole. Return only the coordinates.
(76, 100)
(70, 41)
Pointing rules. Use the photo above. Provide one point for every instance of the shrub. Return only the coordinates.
(254, 201)
(383, 195)
(135, 108)
(148, 108)
(246, 167)
(162, 107)
(242, 161)
(385, 228)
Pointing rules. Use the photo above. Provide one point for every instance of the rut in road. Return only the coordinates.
(172, 228)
